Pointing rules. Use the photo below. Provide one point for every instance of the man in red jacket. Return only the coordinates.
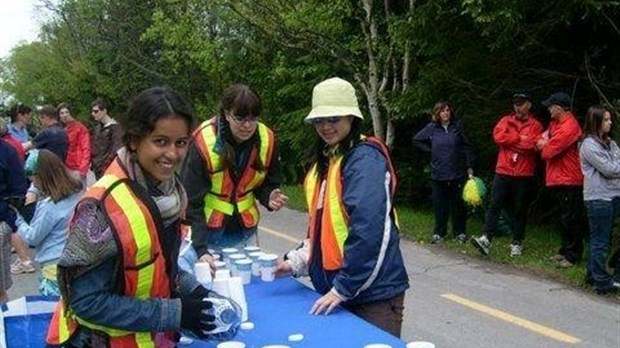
(78, 155)
(515, 134)
(558, 147)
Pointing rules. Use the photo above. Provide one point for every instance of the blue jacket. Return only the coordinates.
(451, 151)
(12, 182)
(48, 229)
(367, 199)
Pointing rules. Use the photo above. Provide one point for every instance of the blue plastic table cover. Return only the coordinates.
(281, 308)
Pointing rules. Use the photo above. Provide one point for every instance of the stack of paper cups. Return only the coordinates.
(255, 256)
(250, 249)
(233, 259)
(222, 274)
(226, 252)
(202, 270)
(237, 294)
(219, 265)
(268, 267)
(244, 270)
(221, 287)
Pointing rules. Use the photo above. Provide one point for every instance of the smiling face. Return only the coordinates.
(445, 114)
(333, 129)
(242, 128)
(160, 152)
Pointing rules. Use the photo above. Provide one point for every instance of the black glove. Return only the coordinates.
(192, 316)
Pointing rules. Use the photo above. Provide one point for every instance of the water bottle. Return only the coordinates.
(227, 315)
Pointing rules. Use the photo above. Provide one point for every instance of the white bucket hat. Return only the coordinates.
(334, 97)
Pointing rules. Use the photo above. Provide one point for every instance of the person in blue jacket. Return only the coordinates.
(452, 161)
(352, 252)
(12, 193)
(47, 230)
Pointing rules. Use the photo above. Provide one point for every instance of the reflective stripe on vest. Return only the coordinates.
(334, 218)
(145, 274)
(224, 196)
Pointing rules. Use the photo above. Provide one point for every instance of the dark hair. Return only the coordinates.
(54, 178)
(17, 109)
(50, 111)
(593, 121)
(439, 106)
(242, 101)
(322, 158)
(150, 106)
(99, 102)
(64, 105)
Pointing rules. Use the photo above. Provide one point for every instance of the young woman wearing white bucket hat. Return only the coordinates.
(352, 253)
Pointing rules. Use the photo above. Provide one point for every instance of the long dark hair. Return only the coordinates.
(242, 101)
(593, 121)
(151, 105)
(321, 156)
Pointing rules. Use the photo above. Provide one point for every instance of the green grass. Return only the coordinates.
(541, 242)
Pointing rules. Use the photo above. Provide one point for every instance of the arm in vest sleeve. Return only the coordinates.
(365, 196)
(273, 179)
(197, 184)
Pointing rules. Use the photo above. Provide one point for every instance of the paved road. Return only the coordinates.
(458, 301)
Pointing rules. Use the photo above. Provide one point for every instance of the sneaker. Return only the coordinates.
(615, 287)
(564, 263)
(556, 258)
(19, 267)
(461, 238)
(436, 239)
(516, 250)
(482, 244)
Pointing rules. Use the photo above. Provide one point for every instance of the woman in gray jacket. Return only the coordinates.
(600, 164)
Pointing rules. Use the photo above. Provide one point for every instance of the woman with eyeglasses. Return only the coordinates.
(452, 160)
(352, 252)
(232, 162)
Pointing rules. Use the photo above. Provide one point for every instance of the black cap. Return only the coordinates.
(560, 98)
(521, 97)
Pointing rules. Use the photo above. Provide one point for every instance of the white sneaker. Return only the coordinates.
(19, 267)
(482, 243)
(516, 250)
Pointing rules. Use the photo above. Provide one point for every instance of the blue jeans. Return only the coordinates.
(601, 215)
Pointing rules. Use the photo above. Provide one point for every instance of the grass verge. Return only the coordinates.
(541, 242)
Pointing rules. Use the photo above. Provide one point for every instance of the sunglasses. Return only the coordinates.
(243, 119)
(322, 120)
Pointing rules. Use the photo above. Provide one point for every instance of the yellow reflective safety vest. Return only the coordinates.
(144, 265)
(226, 196)
(327, 194)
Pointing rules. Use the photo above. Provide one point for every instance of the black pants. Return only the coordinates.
(447, 200)
(510, 193)
(569, 200)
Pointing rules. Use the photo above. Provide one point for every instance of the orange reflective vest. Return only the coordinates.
(145, 274)
(327, 194)
(226, 196)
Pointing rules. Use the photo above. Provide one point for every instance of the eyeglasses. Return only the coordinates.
(94, 111)
(243, 119)
(320, 120)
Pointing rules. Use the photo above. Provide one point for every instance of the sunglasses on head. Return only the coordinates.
(321, 120)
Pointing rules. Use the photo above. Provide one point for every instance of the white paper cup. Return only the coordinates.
(255, 257)
(235, 285)
(231, 344)
(268, 267)
(202, 270)
(226, 252)
(232, 259)
(220, 286)
(222, 274)
(250, 249)
(244, 270)
(420, 344)
(220, 265)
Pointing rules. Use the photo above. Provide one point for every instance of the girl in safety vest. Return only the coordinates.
(47, 229)
(118, 274)
(232, 162)
(352, 253)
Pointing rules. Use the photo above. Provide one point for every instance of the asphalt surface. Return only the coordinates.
(459, 301)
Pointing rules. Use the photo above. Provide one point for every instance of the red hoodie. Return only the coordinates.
(517, 145)
(561, 153)
(78, 154)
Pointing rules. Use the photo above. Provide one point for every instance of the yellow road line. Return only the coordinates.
(279, 234)
(526, 324)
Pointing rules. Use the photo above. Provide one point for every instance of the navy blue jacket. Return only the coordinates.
(451, 151)
(373, 267)
(12, 182)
